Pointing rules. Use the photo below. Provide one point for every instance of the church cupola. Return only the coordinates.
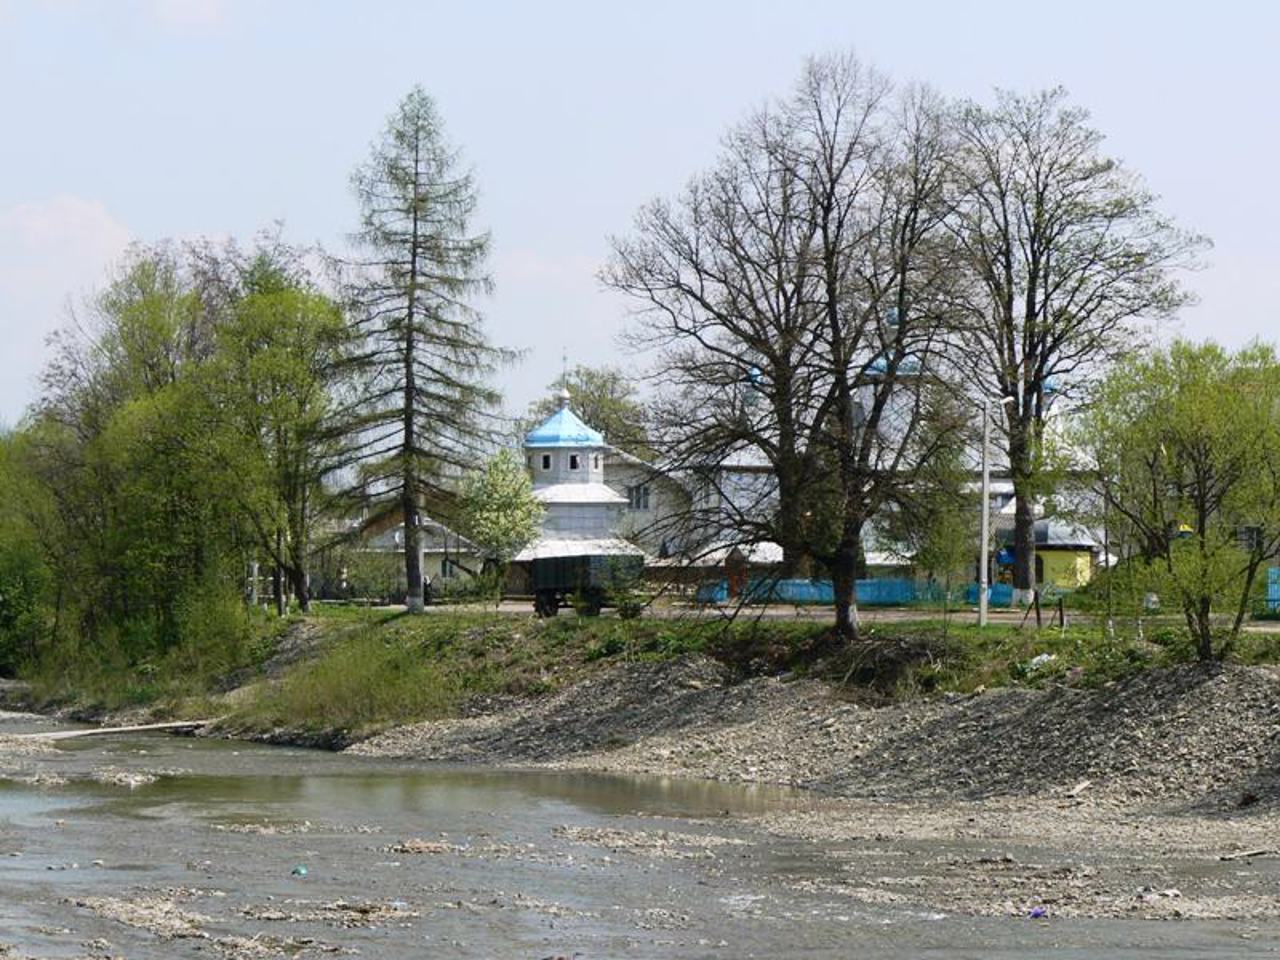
(563, 449)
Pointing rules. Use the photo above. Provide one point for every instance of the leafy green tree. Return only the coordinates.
(499, 512)
(137, 521)
(1064, 255)
(26, 580)
(421, 371)
(271, 386)
(605, 399)
(1186, 444)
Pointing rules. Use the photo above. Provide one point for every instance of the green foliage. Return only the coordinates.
(1187, 447)
(360, 684)
(25, 589)
(134, 664)
(116, 444)
(374, 575)
(605, 399)
(179, 439)
(623, 585)
(500, 514)
(262, 403)
(26, 580)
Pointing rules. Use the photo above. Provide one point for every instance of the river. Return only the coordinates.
(158, 847)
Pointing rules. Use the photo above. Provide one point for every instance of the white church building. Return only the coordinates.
(580, 530)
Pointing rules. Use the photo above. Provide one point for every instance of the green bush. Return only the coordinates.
(375, 575)
(146, 662)
(484, 586)
(360, 683)
(24, 614)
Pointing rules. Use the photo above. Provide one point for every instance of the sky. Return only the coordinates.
(141, 120)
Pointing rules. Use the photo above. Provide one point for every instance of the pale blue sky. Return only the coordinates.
(177, 118)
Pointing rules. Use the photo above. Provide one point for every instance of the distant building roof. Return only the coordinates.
(564, 428)
(548, 548)
(1052, 533)
(578, 493)
(434, 537)
(1055, 533)
(766, 553)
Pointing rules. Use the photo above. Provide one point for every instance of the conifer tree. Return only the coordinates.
(420, 406)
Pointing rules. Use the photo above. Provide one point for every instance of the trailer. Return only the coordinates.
(587, 579)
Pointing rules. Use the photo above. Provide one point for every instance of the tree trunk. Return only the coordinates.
(844, 577)
(1204, 630)
(1024, 534)
(301, 587)
(300, 548)
(412, 554)
(277, 576)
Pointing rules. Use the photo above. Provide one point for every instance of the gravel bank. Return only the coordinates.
(1199, 736)
(1153, 798)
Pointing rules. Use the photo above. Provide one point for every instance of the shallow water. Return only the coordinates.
(515, 865)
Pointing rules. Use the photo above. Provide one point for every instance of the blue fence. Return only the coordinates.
(998, 595)
(1273, 589)
(875, 592)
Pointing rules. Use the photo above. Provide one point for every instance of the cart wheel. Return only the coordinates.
(545, 603)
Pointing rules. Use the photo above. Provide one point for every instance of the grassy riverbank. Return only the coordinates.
(354, 671)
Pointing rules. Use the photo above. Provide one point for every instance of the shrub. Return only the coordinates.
(24, 587)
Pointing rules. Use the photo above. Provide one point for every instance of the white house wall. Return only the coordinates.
(585, 521)
(663, 522)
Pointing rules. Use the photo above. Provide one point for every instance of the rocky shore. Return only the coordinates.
(1198, 737)
(1151, 798)
(1157, 797)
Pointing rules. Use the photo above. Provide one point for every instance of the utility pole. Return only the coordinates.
(984, 573)
(984, 564)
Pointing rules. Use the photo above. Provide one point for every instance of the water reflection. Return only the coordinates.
(213, 775)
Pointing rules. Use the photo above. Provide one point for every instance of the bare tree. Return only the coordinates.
(1065, 256)
(796, 295)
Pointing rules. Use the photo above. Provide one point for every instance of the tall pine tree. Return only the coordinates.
(419, 412)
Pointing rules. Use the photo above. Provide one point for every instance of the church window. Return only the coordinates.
(638, 496)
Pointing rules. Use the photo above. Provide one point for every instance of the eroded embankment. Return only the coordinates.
(1192, 734)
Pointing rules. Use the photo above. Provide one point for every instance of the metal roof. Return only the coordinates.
(578, 493)
(1051, 533)
(1055, 533)
(564, 429)
(550, 547)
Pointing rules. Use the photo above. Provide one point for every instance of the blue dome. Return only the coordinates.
(564, 429)
(879, 367)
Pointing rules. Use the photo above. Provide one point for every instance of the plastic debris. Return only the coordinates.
(300, 870)
(1038, 913)
(1040, 661)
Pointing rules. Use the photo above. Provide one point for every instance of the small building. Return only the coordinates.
(445, 554)
(656, 513)
(364, 557)
(1066, 553)
(581, 543)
